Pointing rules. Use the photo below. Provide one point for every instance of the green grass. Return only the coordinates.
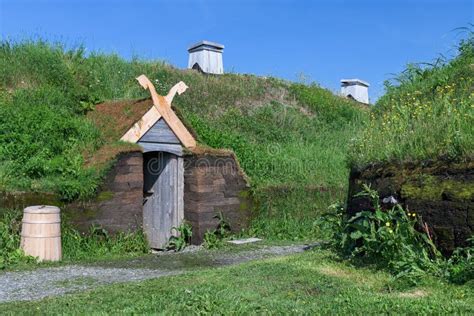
(310, 283)
(292, 213)
(427, 113)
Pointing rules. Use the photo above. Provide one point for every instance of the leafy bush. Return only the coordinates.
(390, 240)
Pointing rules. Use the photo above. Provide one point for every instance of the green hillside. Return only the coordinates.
(426, 113)
(291, 139)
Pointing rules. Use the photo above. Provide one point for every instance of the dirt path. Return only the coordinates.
(44, 282)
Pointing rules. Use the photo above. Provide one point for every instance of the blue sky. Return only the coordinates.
(324, 40)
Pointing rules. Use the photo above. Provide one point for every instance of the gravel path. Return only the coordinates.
(44, 282)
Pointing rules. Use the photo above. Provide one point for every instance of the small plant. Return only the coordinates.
(459, 268)
(214, 238)
(182, 238)
(211, 240)
(10, 252)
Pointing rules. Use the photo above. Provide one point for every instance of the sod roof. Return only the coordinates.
(115, 118)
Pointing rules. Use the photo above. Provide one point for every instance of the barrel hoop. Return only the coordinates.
(42, 209)
(33, 236)
(26, 222)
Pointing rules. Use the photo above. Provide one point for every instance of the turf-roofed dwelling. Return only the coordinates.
(161, 176)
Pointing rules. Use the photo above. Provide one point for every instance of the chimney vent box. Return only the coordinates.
(206, 56)
(356, 89)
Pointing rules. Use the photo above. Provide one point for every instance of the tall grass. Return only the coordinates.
(428, 113)
(292, 212)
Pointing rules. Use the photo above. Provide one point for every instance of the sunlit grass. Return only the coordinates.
(428, 114)
(308, 283)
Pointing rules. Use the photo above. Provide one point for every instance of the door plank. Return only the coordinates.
(163, 208)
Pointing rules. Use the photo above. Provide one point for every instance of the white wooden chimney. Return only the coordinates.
(356, 89)
(207, 57)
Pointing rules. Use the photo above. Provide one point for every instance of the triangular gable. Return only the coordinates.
(160, 132)
(161, 109)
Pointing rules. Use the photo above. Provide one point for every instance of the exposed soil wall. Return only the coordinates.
(118, 206)
(214, 184)
(441, 192)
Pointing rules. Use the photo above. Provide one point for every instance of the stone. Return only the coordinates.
(244, 241)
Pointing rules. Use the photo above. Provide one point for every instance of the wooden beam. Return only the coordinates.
(146, 84)
(161, 108)
(179, 88)
(142, 126)
(175, 123)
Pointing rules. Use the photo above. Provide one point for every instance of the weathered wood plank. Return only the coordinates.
(175, 123)
(163, 207)
(142, 126)
(169, 148)
(180, 188)
(160, 132)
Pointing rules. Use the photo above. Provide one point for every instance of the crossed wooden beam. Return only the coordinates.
(161, 109)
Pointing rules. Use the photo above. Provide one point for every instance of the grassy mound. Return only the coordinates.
(429, 113)
(290, 138)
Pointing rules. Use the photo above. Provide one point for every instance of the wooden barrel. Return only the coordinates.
(41, 232)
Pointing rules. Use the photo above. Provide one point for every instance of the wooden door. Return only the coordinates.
(163, 196)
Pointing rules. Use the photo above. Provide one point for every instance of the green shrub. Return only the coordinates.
(390, 240)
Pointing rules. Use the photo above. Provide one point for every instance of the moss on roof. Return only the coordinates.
(115, 118)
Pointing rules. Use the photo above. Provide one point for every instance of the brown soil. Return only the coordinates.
(114, 118)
